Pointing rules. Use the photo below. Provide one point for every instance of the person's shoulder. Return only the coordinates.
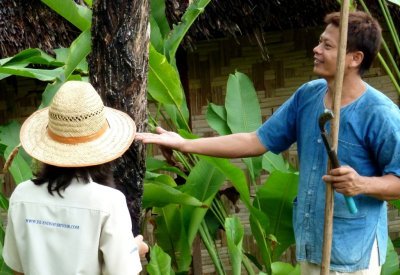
(319, 83)
(314, 86)
(23, 189)
(96, 196)
(106, 191)
(374, 99)
(379, 109)
(374, 94)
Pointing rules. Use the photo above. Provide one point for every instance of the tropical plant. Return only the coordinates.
(270, 213)
(387, 56)
(180, 211)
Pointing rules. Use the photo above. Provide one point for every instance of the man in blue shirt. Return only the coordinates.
(368, 150)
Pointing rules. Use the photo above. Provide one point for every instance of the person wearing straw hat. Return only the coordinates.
(69, 219)
(368, 150)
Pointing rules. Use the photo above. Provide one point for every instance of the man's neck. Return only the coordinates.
(353, 87)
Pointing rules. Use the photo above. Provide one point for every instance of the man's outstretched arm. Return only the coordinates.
(229, 146)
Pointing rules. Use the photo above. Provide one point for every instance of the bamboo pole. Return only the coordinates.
(337, 95)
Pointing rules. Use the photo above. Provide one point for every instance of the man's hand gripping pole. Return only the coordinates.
(323, 119)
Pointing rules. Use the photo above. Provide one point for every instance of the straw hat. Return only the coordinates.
(77, 129)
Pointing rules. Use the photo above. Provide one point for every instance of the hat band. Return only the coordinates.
(76, 140)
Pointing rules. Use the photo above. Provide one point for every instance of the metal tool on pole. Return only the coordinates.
(326, 116)
(337, 94)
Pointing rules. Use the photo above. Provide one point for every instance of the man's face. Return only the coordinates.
(325, 53)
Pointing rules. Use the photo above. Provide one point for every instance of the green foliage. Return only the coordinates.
(164, 84)
(241, 104)
(234, 237)
(79, 16)
(280, 268)
(78, 51)
(275, 198)
(180, 212)
(158, 194)
(9, 138)
(160, 263)
(386, 57)
(18, 65)
(391, 265)
(174, 38)
(216, 118)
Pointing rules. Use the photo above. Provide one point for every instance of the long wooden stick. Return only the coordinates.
(329, 202)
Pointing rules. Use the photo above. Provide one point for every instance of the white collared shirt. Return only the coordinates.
(86, 232)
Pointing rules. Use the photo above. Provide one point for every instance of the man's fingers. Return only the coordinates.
(332, 178)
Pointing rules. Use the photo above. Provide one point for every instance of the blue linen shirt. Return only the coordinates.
(369, 142)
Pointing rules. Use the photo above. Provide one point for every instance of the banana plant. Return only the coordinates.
(389, 64)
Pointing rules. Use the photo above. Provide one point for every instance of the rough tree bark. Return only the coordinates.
(118, 70)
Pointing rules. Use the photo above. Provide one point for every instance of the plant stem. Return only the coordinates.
(389, 72)
(208, 242)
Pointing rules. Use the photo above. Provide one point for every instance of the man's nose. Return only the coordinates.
(317, 49)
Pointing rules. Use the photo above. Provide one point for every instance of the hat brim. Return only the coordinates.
(109, 146)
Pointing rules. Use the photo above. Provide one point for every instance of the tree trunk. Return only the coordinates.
(118, 70)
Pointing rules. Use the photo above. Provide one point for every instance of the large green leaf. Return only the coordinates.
(161, 194)
(49, 92)
(156, 38)
(243, 113)
(236, 176)
(3, 202)
(258, 230)
(4, 269)
(241, 103)
(281, 268)
(216, 118)
(79, 16)
(234, 237)
(178, 114)
(20, 168)
(178, 32)
(275, 198)
(171, 235)
(203, 183)
(160, 262)
(164, 83)
(40, 74)
(397, 2)
(159, 17)
(153, 164)
(30, 56)
(254, 166)
(272, 162)
(79, 49)
(391, 264)
(9, 134)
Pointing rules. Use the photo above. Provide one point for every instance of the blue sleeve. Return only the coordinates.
(279, 131)
(386, 141)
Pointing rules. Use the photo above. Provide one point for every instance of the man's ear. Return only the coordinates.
(356, 59)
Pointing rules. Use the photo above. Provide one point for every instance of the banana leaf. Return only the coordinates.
(160, 263)
(234, 237)
(79, 16)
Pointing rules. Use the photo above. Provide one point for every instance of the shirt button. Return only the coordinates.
(309, 192)
(314, 167)
(307, 215)
(319, 140)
